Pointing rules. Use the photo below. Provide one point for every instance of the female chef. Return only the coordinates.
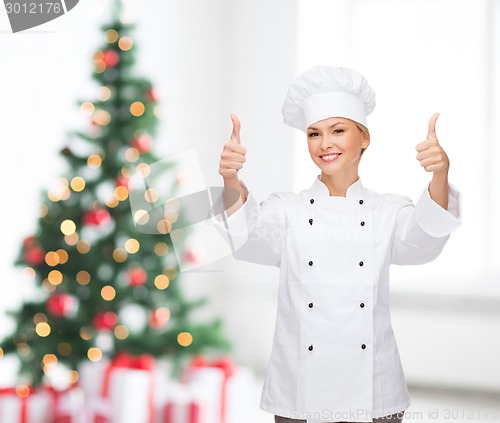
(334, 355)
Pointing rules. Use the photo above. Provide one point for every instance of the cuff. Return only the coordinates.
(433, 219)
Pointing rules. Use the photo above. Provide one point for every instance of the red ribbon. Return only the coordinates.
(228, 368)
(23, 399)
(124, 360)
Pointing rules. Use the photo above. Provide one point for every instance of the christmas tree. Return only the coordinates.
(101, 285)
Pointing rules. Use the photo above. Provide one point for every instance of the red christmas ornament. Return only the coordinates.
(121, 181)
(106, 320)
(137, 276)
(29, 241)
(143, 142)
(96, 217)
(61, 305)
(159, 318)
(111, 58)
(152, 95)
(34, 255)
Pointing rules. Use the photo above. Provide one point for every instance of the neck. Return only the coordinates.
(337, 184)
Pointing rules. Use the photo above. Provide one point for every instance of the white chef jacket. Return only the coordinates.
(334, 355)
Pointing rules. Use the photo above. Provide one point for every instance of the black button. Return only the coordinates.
(310, 305)
(360, 201)
(361, 263)
(312, 200)
(310, 348)
(310, 263)
(362, 223)
(311, 221)
(362, 305)
(363, 346)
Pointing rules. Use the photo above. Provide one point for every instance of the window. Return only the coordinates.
(421, 57)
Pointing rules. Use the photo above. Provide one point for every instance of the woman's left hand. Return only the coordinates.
(430, 154)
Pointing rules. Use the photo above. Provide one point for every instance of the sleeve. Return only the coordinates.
(422, 231)
(255, 231)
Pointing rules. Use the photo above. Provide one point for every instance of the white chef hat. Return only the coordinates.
(326, 91)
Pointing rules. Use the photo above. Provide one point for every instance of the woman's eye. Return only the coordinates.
(313, 134)
(338, 131)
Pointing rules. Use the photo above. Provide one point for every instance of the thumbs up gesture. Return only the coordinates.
(430, 154)
(233, 154)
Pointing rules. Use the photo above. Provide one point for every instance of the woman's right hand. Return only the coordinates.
(233, 154)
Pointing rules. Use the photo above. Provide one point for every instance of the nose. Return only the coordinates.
(326, 142)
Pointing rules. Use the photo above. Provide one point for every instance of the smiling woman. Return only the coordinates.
(334, 243)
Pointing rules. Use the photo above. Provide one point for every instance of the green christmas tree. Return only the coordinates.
(101, 285)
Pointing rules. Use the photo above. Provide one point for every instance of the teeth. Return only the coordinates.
(330, 157)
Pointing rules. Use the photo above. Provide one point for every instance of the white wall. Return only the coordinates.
(207, 59)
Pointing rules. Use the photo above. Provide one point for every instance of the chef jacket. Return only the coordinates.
(334, 355)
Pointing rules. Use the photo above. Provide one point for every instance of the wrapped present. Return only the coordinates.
(67, 404)
(120, 391)
(24, 405)
(185, 406)
(227, 387)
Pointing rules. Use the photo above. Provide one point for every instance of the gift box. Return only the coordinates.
(222, 390)
(120, 390)
(24, 405)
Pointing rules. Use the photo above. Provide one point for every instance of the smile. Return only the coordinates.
(330, 157)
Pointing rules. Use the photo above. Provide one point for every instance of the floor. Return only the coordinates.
(429, 405)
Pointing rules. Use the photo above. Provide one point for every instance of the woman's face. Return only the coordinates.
(335, 144)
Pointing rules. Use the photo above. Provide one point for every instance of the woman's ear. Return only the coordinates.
(366, 141)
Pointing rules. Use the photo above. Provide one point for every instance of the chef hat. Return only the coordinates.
(326, 91)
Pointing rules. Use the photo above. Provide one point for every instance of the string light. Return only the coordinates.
(125, 43)
(132, 246)
(73, 376)
(111, 36)
(94, 161)
(163, 226)
(39, 317)
(83, 277)
(1, 352)
(112, 201)
(68, 227)
(119, 255)
(64, 349)
(121, 332)
(162, 282)
(42, 329)
(102, 117)
(184, 339)
(94, 354)
(104, 93)
(85, 334)
(83, 246)
(48, 286)
(132, 154)
(22, 391)
(137, 108)
(143, 169)
(87, 108)
(55, 277)
(52, 258)
(108, 293)
(141, 217)
(151, 195)
(49, 360)
(29, 273)
(170, 272)
(121, 193)
(78, 184)
(43, 210)
(161, 249)
(71, 239)
(62, 255)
